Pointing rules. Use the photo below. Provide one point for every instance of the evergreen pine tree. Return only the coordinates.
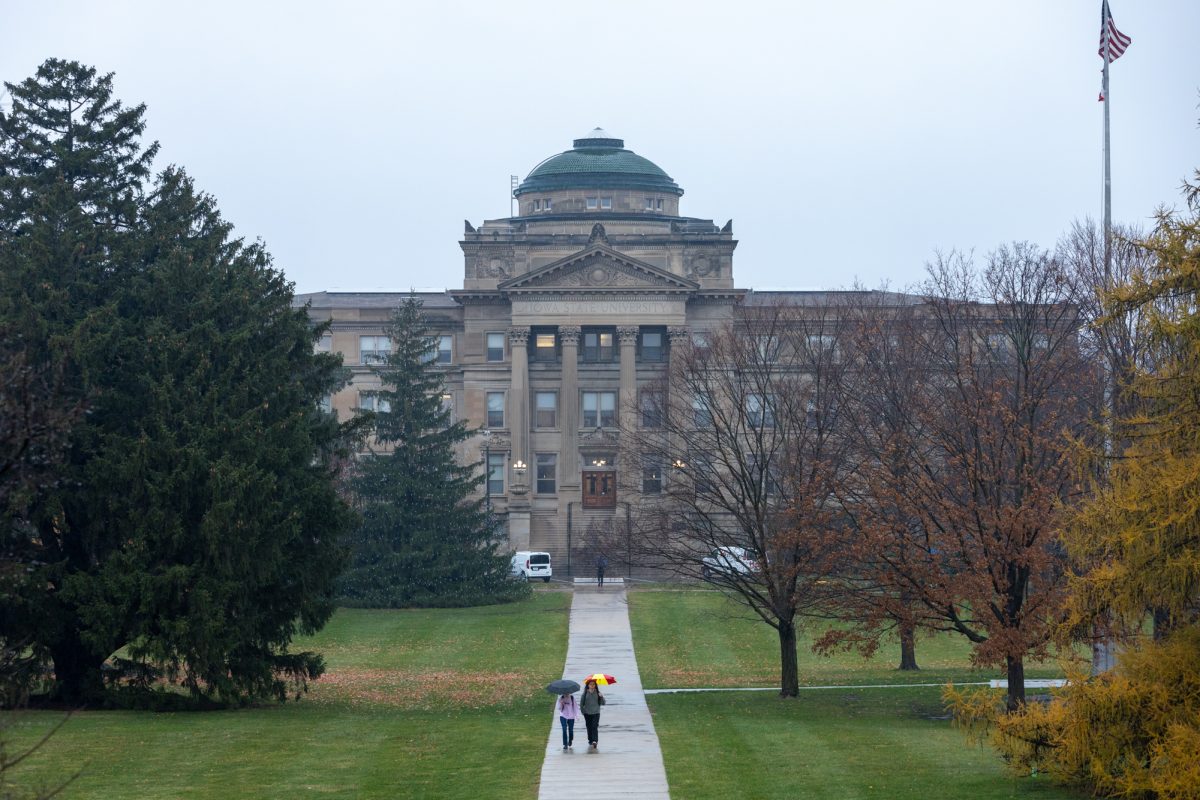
(424, 541)
(194, 520)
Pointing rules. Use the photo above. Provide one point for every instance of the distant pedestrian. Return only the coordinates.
(601, 565)
(590, 706)
(568, 712)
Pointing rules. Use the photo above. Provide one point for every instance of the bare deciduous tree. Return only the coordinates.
(959, 510)
(746, 429)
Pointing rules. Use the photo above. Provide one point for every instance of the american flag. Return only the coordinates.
(1112, 41)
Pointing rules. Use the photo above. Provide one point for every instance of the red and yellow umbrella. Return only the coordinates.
(600, 678)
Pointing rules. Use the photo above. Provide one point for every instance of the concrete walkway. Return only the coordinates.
(628, 763)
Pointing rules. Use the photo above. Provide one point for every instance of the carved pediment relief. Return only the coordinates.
(600, 268)
(598, 438)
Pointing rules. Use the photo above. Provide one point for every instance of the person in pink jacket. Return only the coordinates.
(568, 712)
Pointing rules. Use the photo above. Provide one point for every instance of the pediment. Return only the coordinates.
(599, 268)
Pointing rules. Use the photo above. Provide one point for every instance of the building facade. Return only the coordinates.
(567, 313)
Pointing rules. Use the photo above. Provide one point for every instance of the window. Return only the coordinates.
(652, 346)
(759, 411)
(658, 204)
(369, 401)
(999, 346)
(537, 205)
(652, 478)
(547, 467)
(325, 343)
(1041, 341)
(649, 203)
(606, 203)
(592, 202)
(702, 411)
(445, 349)
(495, 409)
(599, 409)
(763, 472)
(495, 347)
(546, 203)
(545, 410)
(700, 467)
(544, 347)
(821, 345)
(652, 409)
(495, 469)
(326, 404)
(767, 347)
(701, 342)
(598, 345)
(373, 349)
(447, 408)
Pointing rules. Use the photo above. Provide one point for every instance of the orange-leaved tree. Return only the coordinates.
(970, 408)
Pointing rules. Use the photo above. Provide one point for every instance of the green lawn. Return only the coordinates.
(700, 639)
(840, 744)
(437, 703)
(448, 703)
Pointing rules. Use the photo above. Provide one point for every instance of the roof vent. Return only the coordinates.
(598, 137)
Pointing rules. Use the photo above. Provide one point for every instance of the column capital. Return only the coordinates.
(677, 334)
(569, 334)
(519, 336)
(627, 334)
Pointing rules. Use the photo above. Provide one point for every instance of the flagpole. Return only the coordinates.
(1104, 650)
(1107, 161)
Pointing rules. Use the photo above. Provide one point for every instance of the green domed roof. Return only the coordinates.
(598, 161)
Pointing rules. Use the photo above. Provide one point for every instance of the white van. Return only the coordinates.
(529, 564)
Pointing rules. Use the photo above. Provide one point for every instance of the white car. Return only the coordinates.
(529, 564)
(728, 561)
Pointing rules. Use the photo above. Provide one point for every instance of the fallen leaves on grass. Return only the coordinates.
(428, 689)
(681, 678)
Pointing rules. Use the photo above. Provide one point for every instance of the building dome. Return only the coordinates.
(598, 161)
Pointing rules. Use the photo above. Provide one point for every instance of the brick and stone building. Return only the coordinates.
(566, 312)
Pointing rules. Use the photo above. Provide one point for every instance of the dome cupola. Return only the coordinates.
(598, 162)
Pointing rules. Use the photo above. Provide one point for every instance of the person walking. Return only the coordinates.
(601, 565)
(568, 712)
(590, 706)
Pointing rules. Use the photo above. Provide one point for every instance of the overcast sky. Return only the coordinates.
(846, 140)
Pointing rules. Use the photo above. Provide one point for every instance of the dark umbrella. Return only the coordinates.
(563, 686)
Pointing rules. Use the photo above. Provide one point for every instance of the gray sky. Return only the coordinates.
(845, 139)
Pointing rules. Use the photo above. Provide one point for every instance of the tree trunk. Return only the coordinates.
(789, 671)
(908, 647)
(78, 671)
(1016, 683)
(1163, 624)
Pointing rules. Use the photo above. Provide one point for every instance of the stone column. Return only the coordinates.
(674, 403)
(628, 398)
(518, 395)
(568, 406)
(518, 423)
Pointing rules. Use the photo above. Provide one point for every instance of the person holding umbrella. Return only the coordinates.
(590, 706)
(567, 708)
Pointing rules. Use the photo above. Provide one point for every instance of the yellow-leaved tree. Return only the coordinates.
(1135, 731)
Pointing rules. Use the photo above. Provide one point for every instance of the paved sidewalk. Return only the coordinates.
(629, 762)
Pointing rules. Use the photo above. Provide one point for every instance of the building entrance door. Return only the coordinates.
(599, 488)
